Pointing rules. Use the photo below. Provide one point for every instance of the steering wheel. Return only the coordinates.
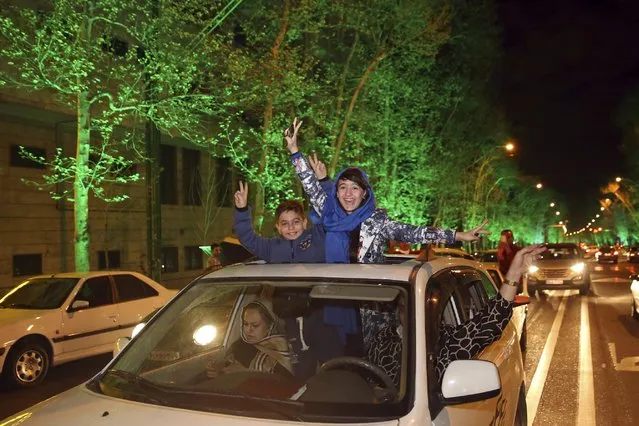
(343, 361)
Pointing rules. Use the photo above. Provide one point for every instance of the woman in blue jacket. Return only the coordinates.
(356, 229)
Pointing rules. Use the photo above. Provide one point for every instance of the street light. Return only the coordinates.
(552, 204)
(539, 185)
(618, 179)
(601, 208)
(557, 213)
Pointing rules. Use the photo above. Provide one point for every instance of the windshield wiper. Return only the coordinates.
(139, 384)
(17, 306)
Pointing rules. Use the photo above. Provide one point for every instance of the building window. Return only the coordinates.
(27, 264)
(170, 259)
(18, 160)
(168, 174)
(108, 260)
(223, 182)
(193, 258)
(191, 179)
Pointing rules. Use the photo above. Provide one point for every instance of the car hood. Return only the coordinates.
(82, 407)
(557, 263)
(11, 316)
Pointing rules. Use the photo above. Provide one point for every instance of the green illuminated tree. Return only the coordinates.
(118, 64)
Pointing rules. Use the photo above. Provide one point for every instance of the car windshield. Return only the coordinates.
(39, 293)
(558, 253)
(254, 349)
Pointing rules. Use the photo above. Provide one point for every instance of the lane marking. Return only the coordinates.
(533, 396)
(586, 402)
(630, 363)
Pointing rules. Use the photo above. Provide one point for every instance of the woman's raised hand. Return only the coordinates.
(319, 168)
(522, 261)
(472, 235)
(241, 196)
(290, 134)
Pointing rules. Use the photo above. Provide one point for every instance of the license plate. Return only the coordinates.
(554, 281)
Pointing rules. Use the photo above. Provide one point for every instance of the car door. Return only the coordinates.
(136, 299)
(91, 329)
(504, 352)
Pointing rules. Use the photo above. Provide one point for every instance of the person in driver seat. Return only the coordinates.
(261, 347)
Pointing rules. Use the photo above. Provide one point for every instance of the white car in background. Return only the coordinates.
(163, 375)
(634, 289)
(51, 319)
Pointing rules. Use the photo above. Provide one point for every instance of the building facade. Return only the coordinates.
(37, 232)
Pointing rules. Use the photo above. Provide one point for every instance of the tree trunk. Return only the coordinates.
(349, 111)
(80, 189)
(258, 218)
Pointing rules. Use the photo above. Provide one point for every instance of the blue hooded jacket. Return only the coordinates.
(338, 224)
(307, 248)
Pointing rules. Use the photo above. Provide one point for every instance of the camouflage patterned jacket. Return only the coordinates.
(378, 229)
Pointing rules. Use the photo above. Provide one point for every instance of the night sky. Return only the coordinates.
(566, 66)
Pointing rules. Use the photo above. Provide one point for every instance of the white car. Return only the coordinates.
(51, 319)
(634, 289)
(176, 369)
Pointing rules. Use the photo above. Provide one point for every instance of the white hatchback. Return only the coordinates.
(51, 319)
(322, 344)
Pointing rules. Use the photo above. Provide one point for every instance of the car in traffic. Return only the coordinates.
(51, 319)
(560, 266)
(177, 369)
(607, 254)
(590, 251)
(633, 254)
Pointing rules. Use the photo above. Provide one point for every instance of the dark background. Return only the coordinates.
(566, 67)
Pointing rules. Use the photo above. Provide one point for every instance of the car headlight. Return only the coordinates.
(137, 329)
(577, 267)
(532, 269)
(204, 335)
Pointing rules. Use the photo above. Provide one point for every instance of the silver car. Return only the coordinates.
(561, 266)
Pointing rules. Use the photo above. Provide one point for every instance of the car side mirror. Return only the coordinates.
(520, 300)
(634, 277)
(78, 305)
(119, 345)
(470, 380)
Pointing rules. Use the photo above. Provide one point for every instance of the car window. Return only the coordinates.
(473, 293)
(130, 287)
(97, 291)
(39, 293)
(558, 253)
(450, 316)
(489, 287)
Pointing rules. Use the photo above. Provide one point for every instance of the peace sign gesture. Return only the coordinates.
(473, 234)
(241, 196)
(290, 134)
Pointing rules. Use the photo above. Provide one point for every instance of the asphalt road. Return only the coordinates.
(582, 362)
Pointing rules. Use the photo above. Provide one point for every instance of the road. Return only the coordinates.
(582, 362)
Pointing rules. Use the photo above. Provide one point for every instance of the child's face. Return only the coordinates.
(290, 225)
